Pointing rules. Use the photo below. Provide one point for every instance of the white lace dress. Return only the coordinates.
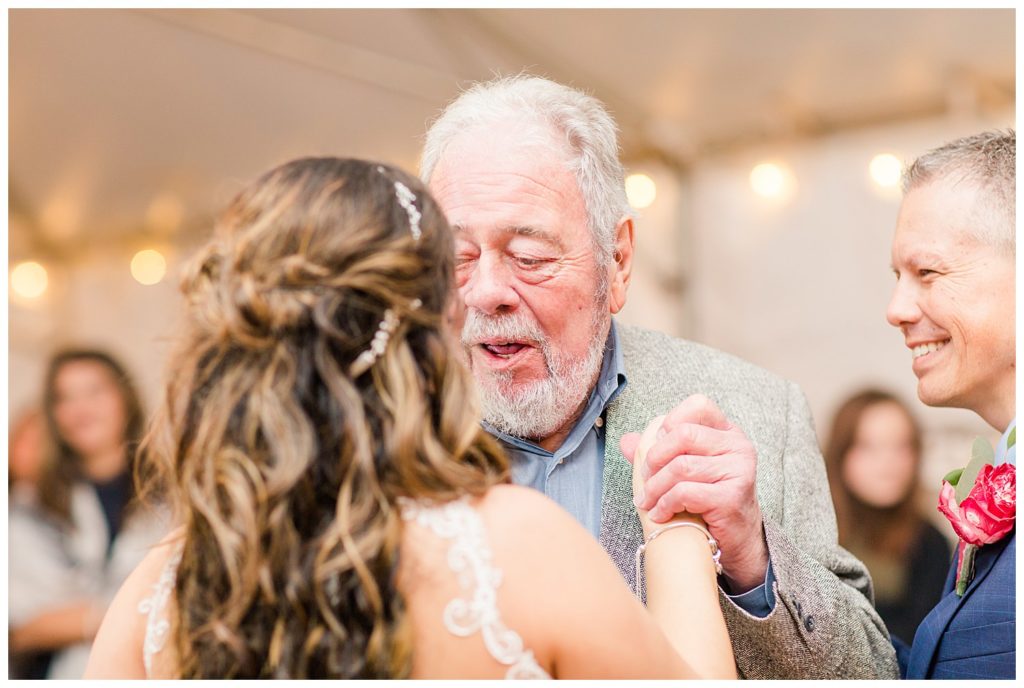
(469, 557)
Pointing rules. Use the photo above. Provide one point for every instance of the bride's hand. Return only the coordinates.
(647, 440)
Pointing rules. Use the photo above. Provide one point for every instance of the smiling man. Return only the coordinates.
(527, 172)
(953, 254)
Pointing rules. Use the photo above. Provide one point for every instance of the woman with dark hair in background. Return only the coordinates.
(873, 457)
(342, 512)
(76, 541)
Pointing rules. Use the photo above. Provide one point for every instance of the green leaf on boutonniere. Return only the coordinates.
(981, 454)
(953, 477)
(1012, 439)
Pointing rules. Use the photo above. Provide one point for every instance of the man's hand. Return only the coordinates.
(702, 464)
(643, 445)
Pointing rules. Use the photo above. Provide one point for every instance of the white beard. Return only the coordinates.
(536, 409)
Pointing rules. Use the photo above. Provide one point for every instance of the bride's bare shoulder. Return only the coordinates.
(117, 648)
(519, 515)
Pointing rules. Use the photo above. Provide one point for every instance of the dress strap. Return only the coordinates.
(154, 607)
(469, 556)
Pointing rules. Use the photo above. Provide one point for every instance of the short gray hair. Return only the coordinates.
(589, 132)
(988, 159)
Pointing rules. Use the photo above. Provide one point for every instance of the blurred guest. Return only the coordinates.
(25, 452)
(72, 546)
(873, 456)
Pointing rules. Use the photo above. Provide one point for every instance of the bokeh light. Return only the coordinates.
(148, 266)
(886, 169)
(640, 190)
(770, 180)
(29, 280)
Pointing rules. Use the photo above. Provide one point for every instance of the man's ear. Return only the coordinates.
(622, 266)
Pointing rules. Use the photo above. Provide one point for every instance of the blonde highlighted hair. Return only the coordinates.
(283, 467)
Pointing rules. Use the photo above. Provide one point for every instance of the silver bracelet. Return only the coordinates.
(716, 551)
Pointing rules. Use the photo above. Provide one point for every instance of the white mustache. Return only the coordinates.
(513, 326)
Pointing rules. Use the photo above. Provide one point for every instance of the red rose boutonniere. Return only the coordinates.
(980, 502)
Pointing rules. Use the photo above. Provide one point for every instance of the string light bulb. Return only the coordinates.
(29, 280)
(770, 180)
(148, 267)
(886, 170)
(640, 190)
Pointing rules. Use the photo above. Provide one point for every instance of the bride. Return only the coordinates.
(342, 514)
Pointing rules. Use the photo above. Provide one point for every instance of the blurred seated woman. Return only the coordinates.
(873, 457)
(342, 513)
(25, 452)
(74, 544)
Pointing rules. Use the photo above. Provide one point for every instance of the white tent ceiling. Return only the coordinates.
(140, 122)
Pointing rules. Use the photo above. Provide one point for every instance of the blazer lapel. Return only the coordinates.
(926, 641)
(620, 526)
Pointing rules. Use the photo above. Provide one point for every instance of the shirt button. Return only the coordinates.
(599, 422)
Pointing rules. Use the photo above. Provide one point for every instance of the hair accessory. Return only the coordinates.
(716, 551)
(380, 340)
(407, 199)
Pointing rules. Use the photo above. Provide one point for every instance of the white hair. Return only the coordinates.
(541, 106)
(988, 159)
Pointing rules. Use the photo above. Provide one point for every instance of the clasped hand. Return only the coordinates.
(697, 462)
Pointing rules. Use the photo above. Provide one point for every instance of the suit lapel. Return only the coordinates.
(609, 472)
(926, 641)
(620, 526)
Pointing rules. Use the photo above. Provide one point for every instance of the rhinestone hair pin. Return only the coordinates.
(379, 344)
(407, 199)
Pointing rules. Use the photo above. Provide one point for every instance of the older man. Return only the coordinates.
(528, 174)
(953, 254)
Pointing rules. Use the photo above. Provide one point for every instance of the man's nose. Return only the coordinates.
(903, 308)
(491, 287)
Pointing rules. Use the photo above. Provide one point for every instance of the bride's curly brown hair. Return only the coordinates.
(283, 466)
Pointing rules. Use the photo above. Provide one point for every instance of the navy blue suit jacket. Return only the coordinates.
(974, 636)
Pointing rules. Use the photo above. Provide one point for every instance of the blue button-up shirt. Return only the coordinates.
(572, 475)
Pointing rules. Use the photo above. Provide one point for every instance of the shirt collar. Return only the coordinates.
(1004, 453)
(610, 383)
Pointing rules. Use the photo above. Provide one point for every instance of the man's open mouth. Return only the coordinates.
(504, 353)
(504, 349)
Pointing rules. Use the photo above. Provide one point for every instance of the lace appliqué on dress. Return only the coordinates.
(157, 625)
(470, 558)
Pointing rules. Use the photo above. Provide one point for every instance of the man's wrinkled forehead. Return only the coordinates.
(507, 177)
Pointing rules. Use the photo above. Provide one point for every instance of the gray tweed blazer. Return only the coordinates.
(824, 624)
